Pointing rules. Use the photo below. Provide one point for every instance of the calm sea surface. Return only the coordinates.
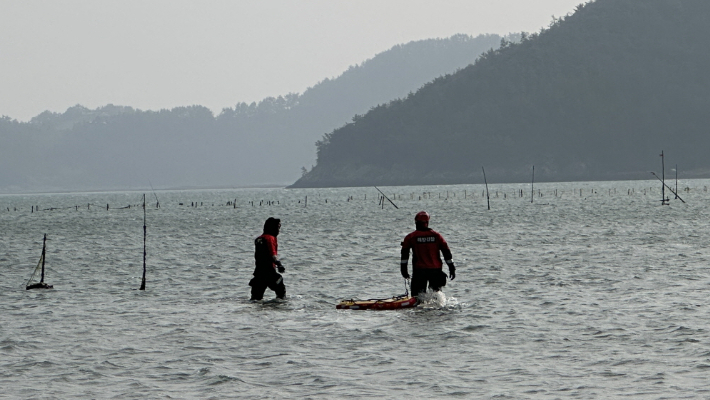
(593, 291)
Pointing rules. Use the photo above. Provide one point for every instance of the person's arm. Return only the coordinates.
(279, 266)
(448, 258)
(404, 260)
(452, 269)
(275, 256)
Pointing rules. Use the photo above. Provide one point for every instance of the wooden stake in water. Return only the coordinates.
(676, 181)
(664, 200)
(388, 199)
(44, 252)
(669, 188)
(532, 186)
(144, 252)
(40, 264)
(488, 197)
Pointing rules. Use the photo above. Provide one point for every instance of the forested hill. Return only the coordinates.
(269, 142)
(596, 96)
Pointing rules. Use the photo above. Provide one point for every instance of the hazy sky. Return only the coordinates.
(162, 54)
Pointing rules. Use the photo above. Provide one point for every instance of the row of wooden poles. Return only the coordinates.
(383, 199)
(520, 193)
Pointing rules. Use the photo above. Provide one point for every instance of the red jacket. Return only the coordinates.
(426, 245)
(266, 247)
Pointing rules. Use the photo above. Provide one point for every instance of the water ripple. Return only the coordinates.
(602, 296)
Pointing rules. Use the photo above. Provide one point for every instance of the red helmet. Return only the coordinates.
(422, 216)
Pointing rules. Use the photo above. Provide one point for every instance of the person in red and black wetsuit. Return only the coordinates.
(267, 261)
(426, 244)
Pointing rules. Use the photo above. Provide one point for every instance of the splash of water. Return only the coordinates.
(432, 300)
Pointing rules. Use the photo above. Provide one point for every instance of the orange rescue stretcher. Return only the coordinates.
(392, 303)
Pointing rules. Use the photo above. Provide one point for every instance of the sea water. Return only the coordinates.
(563, 290)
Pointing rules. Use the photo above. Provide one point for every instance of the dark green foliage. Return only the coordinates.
(598, 95)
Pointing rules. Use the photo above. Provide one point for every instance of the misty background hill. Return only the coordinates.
(269, 142)
(596, 96)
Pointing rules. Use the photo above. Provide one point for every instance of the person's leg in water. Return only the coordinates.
(437, 279)
(258, 287)
(271, 280)
(433, 278)
(278, 287)
(419, 282)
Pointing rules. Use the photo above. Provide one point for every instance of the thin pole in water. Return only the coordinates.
(44, 247)
(157, 202)
(676, 181)
(664, 201)
(144, 252)
(488, 197)
(388, 199)
(532, 186)
(669, 188)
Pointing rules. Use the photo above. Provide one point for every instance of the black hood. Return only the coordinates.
(271, 226)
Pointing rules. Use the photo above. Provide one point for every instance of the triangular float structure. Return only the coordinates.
(40, 266)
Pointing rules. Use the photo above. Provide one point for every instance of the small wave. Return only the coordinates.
(474, 328)
(109, 365)
(221, 379)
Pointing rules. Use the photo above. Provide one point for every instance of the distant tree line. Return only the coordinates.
(265, 142)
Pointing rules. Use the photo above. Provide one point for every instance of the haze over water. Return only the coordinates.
(598, 294)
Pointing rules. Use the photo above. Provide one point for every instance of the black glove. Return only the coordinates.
(405, 273)
(281, 268)
(452, 272)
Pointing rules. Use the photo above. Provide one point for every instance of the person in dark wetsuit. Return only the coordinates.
(426, 244)
(267, 262)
